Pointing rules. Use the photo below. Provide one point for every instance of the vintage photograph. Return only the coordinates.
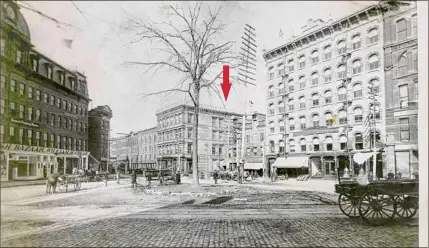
(213, 124)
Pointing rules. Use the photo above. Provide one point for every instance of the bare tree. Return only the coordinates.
(190, 41)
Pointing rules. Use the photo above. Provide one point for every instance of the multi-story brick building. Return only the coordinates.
(175, 135)
(317, 95)
(254, 143)
(98, 136)
(44, 106)
(401, 77)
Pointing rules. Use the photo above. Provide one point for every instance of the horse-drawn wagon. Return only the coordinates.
(65, 180)
(379, 201)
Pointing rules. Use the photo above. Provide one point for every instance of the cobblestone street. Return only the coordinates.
(246, 216)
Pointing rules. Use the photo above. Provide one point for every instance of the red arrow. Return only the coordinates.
(226, 86)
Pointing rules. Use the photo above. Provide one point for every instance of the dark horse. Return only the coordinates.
(51, 183)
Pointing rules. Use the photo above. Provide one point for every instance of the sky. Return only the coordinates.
(101, 45)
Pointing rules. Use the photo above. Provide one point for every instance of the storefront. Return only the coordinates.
(292, 166)
(22, 162)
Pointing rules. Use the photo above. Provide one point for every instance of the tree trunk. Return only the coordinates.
(195, 174)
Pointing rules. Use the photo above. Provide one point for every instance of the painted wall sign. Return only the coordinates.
(25, 148)
(24, 123)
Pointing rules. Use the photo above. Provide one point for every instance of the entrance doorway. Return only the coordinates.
(329, 169)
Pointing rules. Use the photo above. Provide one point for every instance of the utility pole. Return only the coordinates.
(347, 104)
(372, 106)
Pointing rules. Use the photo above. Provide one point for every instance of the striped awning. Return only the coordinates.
(292, 162)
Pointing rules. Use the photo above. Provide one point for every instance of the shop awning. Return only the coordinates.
(291, 162)
(360, 157)
(253, 166)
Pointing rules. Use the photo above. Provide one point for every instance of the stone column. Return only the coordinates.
(323, 166)
(86, 163)
(65, 165)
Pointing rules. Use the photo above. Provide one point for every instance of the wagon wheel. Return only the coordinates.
(349, 205)
(377, 207)
(406, 206)
(77, 185)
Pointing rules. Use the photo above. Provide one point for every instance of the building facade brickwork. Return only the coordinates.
(99, 135)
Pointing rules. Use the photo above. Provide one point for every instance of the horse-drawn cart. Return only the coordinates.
(65, 180)
(379, 201)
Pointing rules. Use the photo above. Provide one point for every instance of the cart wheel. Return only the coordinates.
(61, 187)
(377, 207)
(349, 205)
(77, 185)
(406, 206)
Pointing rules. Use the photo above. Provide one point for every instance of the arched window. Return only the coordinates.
(301, 62)
(358, 141)
(374, 62)
(303, 121)
(329, 143)
(314, 79)
(375, 84)
(341, 47)
(292, 124)
(341, 71)
(342, 115)
(302, 82)
(316, 144)
(271, 106)
(271, 72)
(272, 147)
(358, 114)
(272, 126)
(315, 99)
(281, 146)
(342, 93)
(328, 75)
(314, 57)
(357, 66)
(281, 107)
(291, 66)
(281, 69)
(316, 120)
(402, 66)
(291, 85)
(328, 97)
(372, 36)
(281, 88)
(282, 126)
(328, 119)
(357, 90)
(291, 105)
(343, 142)
(303, 144)
(356, 40)
(328, 53)
(302, 102)
(292, 145)
(401, 27)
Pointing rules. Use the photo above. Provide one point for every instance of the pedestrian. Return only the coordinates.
(178, 177)
(215, 176)
(134, 179)
(105, 180)
(117, 177)
(390, 175)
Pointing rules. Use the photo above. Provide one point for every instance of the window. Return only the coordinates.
(281, 89)
(402, 66)
(291, 66)
(375, 85)
(329, 119)
(281, 146)
(342, 115)
(261, 136)
(343, 142)
(341, 47)
(315, 120)
(328, 97)
(303, 123)
(328, 75)
(315, 99)
(329, 143)
(45, 117)
(21, 88)
(220, 149)
(35, 64)
(291, 146)
(302, 82)
(302, 102)
(29, 137)
(373, 62)
(342, 94)
(12, 131)
(292, 124)
(291, 85)
(52, 120)
(37, 139)
(356, 40)
(2, 106)
(52, 141)
(69, 107)
(272, 130)
(12, 108)
(21, 136)
(316, 144)
(2, 46)
(403, 96)
(64, 104)
(291, 105)
(405, 129)
(358, 114)
(301, 62)
(3, 82)
(189, 133)
(303, 144)
(372, 36)
(358, 141)
(315, 57)
(357, 66)
(18, 56)
(401, 27)
(49, 72)
(21, 111)
(45, 98)
(213, 149)
(341, 71)
(30, 113)
(357, 90)
(328, 53)
(12, 85)
(314, 79)
(38, 95)
(45, 140)
(37, 115)
(52, 100)
(190, 118)
(30, 92)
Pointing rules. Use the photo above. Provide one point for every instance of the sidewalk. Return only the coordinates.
(22, 183)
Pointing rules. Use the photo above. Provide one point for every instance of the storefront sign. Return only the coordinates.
(25, 123)
(25, 148)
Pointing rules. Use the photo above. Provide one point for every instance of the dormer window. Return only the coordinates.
(73, 83)
(49, 69)
(18, 56)
(62, 78)
(35, 64)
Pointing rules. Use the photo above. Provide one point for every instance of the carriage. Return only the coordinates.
(65, 180)
(380, 201)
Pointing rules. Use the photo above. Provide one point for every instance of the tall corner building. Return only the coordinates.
(44, 107)
(320, 84)
(98, 137)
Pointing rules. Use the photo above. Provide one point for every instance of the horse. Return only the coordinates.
(51, 182)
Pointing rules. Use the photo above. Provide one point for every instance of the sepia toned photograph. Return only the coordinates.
(214, 123)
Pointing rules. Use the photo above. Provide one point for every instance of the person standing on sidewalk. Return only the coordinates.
(105, 180)
(117, 177)
(134, 179)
